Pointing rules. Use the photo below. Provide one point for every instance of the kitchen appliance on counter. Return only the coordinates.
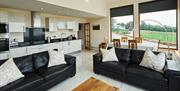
(34, 35)
(4, 44)
(14, 43)
(4, 28)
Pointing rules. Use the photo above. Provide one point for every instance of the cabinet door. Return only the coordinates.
(4, 55)
(70, 25)
(16, 27)
(66, 47)
(18, 52)
(35, 49)
(61, 25)
(75, 45)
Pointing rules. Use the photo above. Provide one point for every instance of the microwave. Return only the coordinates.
(4, 28)
(4, 44)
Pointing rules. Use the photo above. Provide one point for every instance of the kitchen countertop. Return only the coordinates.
(52, 41)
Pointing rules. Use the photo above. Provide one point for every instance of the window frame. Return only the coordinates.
(111, 40)
(176, 25)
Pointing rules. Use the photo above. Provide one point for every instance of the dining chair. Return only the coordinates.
(102, 45)
(132, 44)
(139, 39)
(116, 43)
(124, 39)
(157, 44)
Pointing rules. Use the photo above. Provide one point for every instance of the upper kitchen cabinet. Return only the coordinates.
(62, 25)
(16, 27)
(72, 25)
(3, 16)
(52, 24)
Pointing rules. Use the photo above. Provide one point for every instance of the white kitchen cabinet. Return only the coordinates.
(16, 27)
(67, 46)
(52, 23)
(18, 52)
(35, 49)
(62, 25)
(4, 55)
(71, 46)
(72, 25)
(75, 45)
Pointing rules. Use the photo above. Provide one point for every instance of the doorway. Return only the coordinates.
(85, 35)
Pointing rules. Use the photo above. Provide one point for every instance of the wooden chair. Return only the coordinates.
(116, 43)
(124, 39)
(139, 39)
(102, 45)
(158, 43)
(132, 44)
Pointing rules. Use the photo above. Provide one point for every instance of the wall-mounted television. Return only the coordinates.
(96, 27)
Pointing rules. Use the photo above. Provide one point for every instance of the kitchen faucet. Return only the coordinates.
(62, 35)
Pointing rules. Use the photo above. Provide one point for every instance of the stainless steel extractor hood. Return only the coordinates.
(35, 19)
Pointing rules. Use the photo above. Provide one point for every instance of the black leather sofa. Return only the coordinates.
(127, 69)
(38, 77)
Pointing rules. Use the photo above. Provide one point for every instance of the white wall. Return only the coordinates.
(97, 36)
(97, 7)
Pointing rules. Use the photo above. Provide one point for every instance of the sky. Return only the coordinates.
(165, 17)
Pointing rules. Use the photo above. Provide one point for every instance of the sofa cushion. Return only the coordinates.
(53, 72)
(136, 56)
(146, 75)
(123, 55)
(40, 60)
(109, 55)
(56, 58)
(152, 61)
(28, 83)
(24, 64)
(114, 66)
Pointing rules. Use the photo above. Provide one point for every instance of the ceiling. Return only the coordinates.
(33, 5)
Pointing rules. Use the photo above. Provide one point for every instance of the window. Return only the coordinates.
(159, 22)
(122, 22)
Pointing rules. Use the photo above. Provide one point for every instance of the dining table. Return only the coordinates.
(140, 46)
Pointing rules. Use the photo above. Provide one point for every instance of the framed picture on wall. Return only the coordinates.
(96, 27)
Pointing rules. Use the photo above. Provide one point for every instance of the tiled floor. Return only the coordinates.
(85, 71)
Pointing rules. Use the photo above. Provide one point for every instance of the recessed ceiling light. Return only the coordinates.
(87, 1)
(42, 8)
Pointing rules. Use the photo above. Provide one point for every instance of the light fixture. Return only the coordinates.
(87, 1)
(42, 8)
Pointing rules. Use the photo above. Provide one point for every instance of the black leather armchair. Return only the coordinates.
(38, 77)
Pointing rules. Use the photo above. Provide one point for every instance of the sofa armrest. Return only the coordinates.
(70, 59)
(97, 58)
(171, 69)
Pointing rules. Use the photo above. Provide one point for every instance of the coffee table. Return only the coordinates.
(93, 84)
